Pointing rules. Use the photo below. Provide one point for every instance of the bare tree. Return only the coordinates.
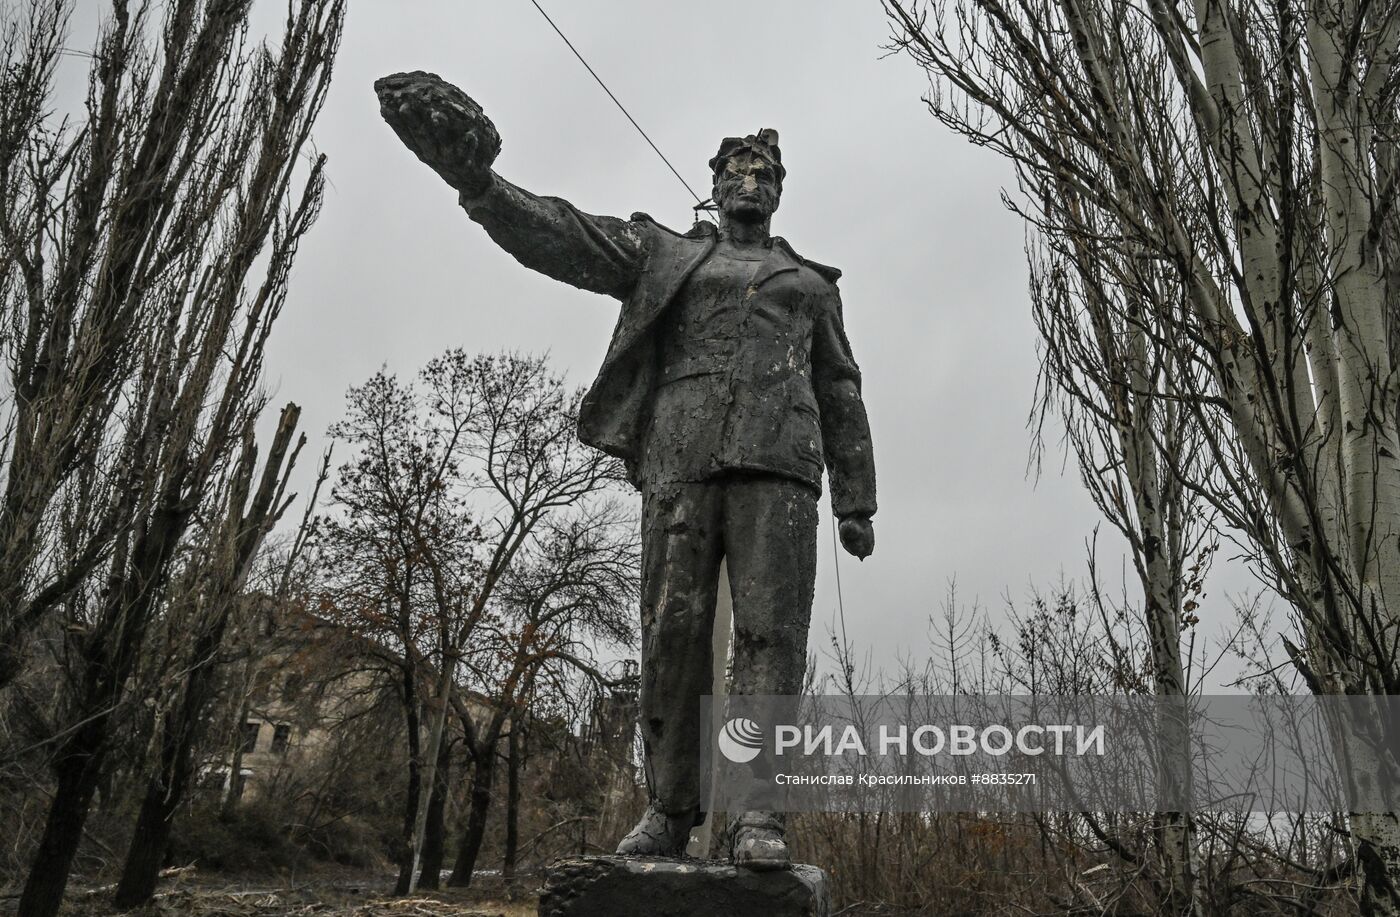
(455, 484)
(221, 568)
(1231, 168)
(400, 548)
(574, 590)
(1107, 372)
(147, 247)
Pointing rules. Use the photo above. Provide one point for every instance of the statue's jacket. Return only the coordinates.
(806, 408)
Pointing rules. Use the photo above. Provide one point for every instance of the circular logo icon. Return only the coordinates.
(740, 740)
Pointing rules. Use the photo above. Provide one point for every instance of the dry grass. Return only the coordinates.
(342, 900)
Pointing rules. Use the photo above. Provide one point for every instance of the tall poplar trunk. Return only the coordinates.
(410, 816)
(1367, 384)
(164, 793)
(77, 780)
(428, 782)
(478, 809)
(234, 791)
(227, 566)
(1281, 224)
(108, 659)
(514, 751)
(435, 828)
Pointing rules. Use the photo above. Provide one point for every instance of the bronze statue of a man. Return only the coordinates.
(728, 384)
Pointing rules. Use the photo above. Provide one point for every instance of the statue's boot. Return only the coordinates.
(756, 841)
(659, 834)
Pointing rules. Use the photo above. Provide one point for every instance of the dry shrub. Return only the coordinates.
(254, 838)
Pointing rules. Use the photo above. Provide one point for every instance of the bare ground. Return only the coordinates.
(340, 898)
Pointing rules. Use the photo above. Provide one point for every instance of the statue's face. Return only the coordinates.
(746, 188)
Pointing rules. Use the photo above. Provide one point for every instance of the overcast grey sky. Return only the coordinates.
(935, 278)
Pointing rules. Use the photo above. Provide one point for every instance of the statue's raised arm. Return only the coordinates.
(449, 131)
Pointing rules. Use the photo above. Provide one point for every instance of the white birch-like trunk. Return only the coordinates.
(1368, 445)
(1274, 194)
(429, 774)
(1161, 573)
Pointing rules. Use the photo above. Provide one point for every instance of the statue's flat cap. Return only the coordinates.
(764, 143)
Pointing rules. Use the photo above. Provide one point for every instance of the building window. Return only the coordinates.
(250, 737)
(280, 735)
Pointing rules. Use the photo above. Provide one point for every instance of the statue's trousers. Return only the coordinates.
(765, 526)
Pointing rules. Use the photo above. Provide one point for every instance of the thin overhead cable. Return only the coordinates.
(619, 105)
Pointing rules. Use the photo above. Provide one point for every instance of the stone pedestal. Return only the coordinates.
(616, 886)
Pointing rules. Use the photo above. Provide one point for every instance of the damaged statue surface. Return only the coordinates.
(728, 386)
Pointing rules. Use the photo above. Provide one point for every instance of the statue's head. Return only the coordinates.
(748, 176)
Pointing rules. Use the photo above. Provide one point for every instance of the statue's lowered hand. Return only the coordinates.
(858, 536)
(442, 125)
